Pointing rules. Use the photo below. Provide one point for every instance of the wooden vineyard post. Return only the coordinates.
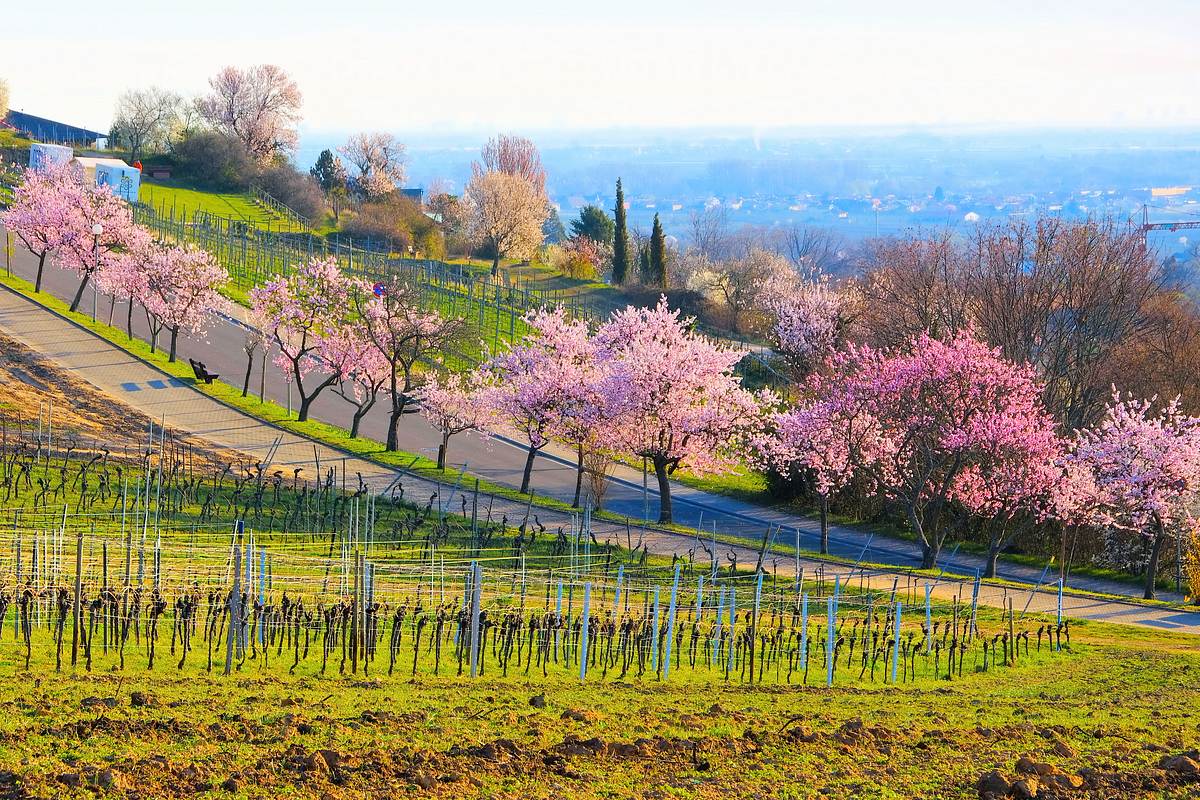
(896, 645)
(732, 630)
(654, 665)
(234, 602)
(928, 620)
(78, 611)
(1012, 639)
(583, 630)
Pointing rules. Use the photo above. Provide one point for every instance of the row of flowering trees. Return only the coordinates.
(643, 385)
(89, 230)
(937, 427)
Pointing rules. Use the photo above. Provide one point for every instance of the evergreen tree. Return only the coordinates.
(658, 255)
(644, 266)
(594, 224)
(620, 270)
(328, 172)
(552, 229)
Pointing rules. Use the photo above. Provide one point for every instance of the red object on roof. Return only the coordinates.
(137, 165)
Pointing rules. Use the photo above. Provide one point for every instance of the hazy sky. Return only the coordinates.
(527, 65)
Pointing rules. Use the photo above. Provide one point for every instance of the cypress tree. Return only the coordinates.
(644, 266)
(620, 271)
(658, 255)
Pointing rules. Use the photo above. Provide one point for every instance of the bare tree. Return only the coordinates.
(258, 106)
(379, 159)
(742, 285)
(512, 155)
(710, 233)
(812, 250)
(911, 286)
(144, 119)
(1064, 296)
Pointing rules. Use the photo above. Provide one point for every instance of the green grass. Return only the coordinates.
(182, 201)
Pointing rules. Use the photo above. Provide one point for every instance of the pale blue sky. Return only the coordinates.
(483, 66)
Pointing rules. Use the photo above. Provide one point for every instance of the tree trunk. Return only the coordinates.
(578, 479)
(174, 344)
(1152, 567)
(993, 556)
(496, 264)
(305, 404)
(79, 293)
(356, 420)
(824, 525)
(37, 284)
(249, 370)
(441, 465)
(129, 320)
(929, 555)
(533, 451)
(664, 491)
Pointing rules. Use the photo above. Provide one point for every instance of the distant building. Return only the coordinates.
(416, 195)
(47, 130)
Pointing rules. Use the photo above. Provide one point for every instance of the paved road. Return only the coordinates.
(500, 461)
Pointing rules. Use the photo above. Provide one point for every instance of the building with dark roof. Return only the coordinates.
(47, 130)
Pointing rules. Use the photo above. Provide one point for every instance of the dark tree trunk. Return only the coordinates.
(249, 370)
(525, 477)
(824, 514)
(441, 464)
(578, 479)
(1156, 548)
(79, 293)
(496, 264)
(929, 555)
(356, 421)
(993, 556)
(174, 344)
(129, 320)
(37, 284)
(664, 491)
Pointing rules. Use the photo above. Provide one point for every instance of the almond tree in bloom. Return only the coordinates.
(41, 210)
(1015, 472)
(1146, 470)
(824, 440)
(810, 321)
(180, 291)
(90, 254)
(361, 369)
(682, 405)
(456, 405)
(302, 311)
(537, 378)
(932, 416)
(404, 335)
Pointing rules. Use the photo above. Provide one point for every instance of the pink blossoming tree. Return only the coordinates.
(682, 405)
(361, 369)
(41, 210)
(456, 405)
(179, 290)
(1145, 465)
(302, 311)
(936, 417)
(90, 253)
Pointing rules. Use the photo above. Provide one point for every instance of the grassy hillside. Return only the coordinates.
(166, 198)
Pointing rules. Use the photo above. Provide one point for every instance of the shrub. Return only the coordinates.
(212, 161)
(295, 190)
(394, 219)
